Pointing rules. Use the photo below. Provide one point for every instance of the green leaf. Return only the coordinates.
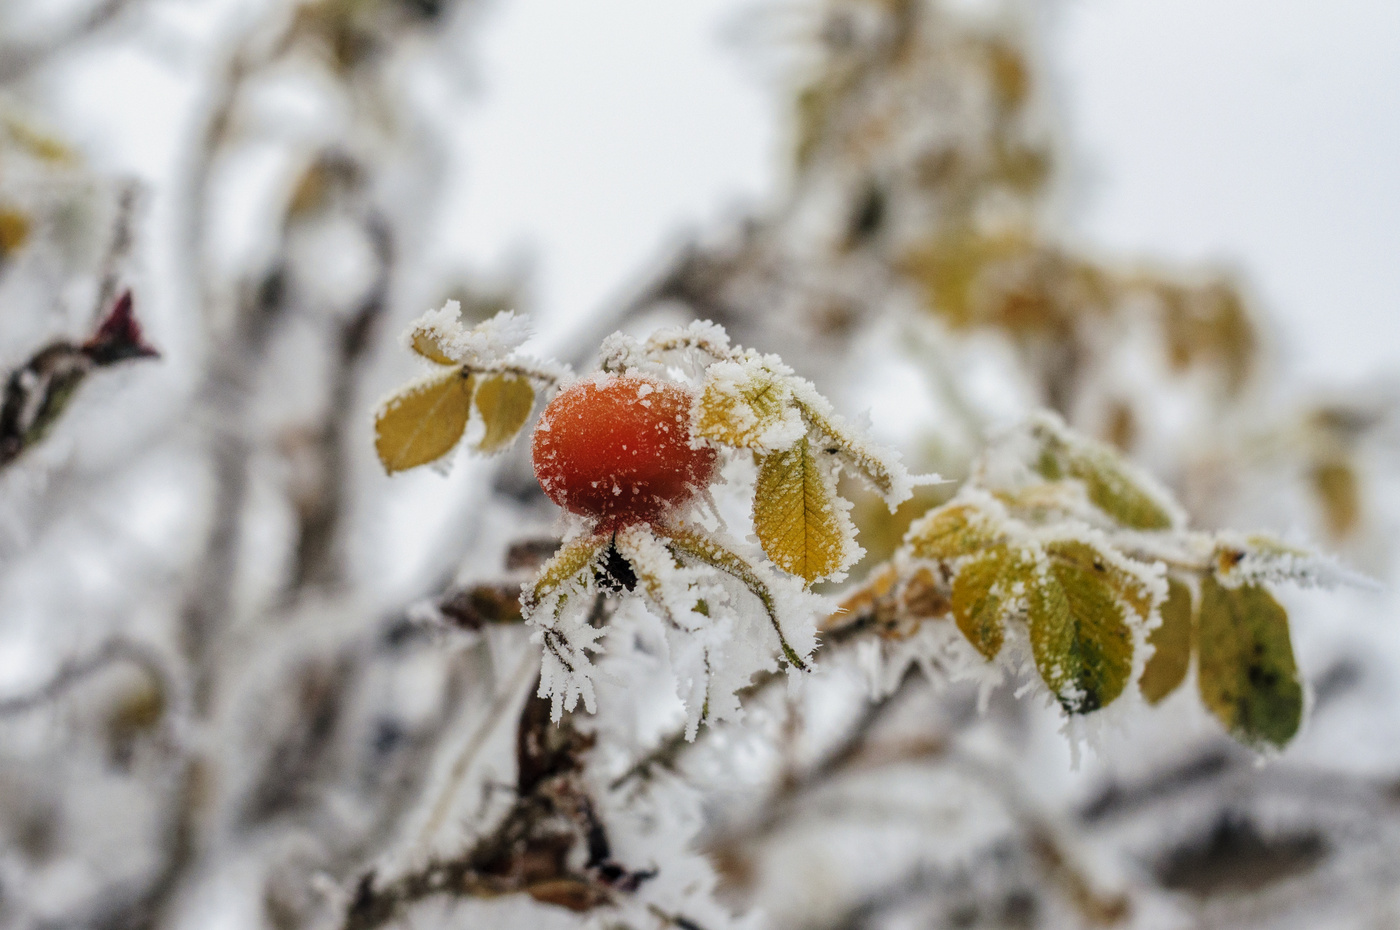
(744, 407)
(950, 532)
(801, 523)
(984, 591)
(1112, 484)
(424, 421)
(1248, 676)
(504, 402)
(1077, 612)
(1171, 643)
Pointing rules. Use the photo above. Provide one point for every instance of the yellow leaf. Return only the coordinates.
(428, 343)
(1248, 677)
(741, 408)
(950, 532)
(1171, 643)
(504, 402)
(801, 523)
(983, 593)
(424, 421)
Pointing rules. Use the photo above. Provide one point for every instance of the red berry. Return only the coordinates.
(618, 449)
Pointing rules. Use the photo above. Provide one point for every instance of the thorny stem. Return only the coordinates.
(713, 554)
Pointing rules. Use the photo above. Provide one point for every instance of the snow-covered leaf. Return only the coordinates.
(1257, 558)
(1171, 643)
(424, 421)
(802, 524)
(1248, 676)
(747, 405)
(504, 402)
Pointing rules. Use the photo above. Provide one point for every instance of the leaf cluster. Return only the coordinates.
(1058, 536)
(476, 374)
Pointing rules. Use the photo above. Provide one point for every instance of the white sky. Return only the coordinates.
(1264, 134)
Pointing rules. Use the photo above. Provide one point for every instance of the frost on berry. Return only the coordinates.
(619, 449)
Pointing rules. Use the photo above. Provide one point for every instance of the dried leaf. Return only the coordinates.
(1248, 676)
(424, 421)
(801, 523)
(1171, 643)
(950, 532)
(1077, 613)
(504, 402)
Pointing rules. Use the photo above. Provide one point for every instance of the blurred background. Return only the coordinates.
(240, 668)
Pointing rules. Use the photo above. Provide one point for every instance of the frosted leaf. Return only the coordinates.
(789, 609)
(1248, 676)
(971, 521)
(803, 525)
(748, 405)
(1241, 559)
(1172, 644)
(504, 403)
(424, 421)
(440, 337)
(1124, 492)
(879, 467)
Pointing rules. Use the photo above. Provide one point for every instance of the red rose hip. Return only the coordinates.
(618, 449)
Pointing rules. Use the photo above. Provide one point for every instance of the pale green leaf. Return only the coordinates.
(504, 402)
(1248, 676)
(801, 523)
(424, 421)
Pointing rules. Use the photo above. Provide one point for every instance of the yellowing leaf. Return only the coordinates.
(574, 561)
(983, 591)
(1077, 614)
(504, 402)
(428, 343)
(951, 531)
(1171, 643)
(1248, 677)
(424, 421)
(801, 523)
(744, 407)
